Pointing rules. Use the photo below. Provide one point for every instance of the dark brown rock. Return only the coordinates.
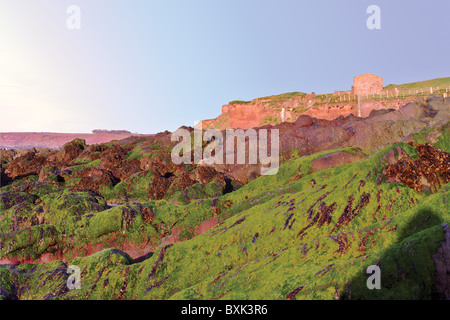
(25, 165)
(430, 171)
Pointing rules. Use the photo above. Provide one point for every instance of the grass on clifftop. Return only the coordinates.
(271, 99)
(439, 82)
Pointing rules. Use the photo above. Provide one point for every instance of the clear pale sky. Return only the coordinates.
(147, 66)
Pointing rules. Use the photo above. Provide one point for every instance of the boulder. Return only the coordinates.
(71, 150)
(25, 165)
(394, 155)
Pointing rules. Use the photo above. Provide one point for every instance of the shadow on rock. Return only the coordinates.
(417, 267)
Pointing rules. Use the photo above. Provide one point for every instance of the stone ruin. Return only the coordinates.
(366, 84)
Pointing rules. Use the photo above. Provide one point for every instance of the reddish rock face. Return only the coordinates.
(245, 116)
(250, 115)
(382, 128)
(333, 111)
(367, 95)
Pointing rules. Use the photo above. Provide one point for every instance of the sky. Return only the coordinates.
(153, 65)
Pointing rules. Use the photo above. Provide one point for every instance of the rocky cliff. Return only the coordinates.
(368, 95)
(264, 111)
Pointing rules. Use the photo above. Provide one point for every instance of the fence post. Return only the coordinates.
(359, 107)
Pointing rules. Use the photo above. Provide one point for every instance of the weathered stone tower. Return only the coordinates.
(367, 84)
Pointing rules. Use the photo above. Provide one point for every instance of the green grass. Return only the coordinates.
(223, 121)
(444, 140)
(420, 136)
(85, 165)
(284, 96)
(439, 82)
(136, 153)
(133, 189)
(81, 161)
(239, 102)
(264, 247)
(269, 120)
